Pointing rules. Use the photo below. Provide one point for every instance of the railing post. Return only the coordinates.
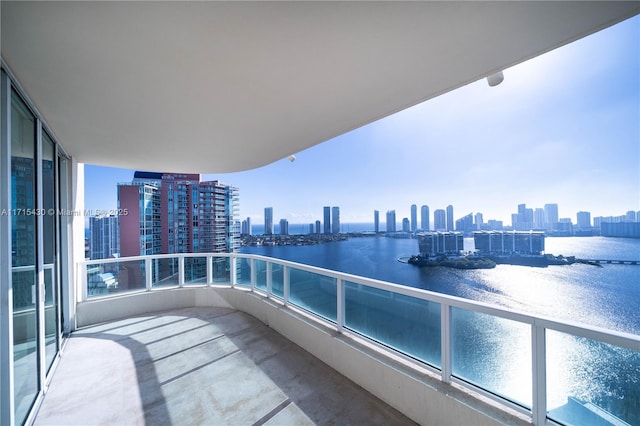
(539, 374)
(340, 304)
(285, 284)
(147, 274)
(446, 352)
(254, 274)
(180, 271)
(269, 271)
(209, 270)
(82, 279)
(234, 272)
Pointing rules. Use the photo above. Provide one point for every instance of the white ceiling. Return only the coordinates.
(213, 87)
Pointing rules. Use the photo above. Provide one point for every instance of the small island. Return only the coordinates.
(462, 262)
(492, 248)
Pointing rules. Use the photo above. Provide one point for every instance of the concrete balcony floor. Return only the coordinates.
(200, 366)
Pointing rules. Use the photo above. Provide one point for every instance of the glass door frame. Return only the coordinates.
(62, 244)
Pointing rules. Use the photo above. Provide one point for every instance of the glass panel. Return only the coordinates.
(313, 292)
(195, 270)
(243, 274)
(407, 324)
(492, 353)
(590, 382)
(277, 280)
(23, 258)
(49, 239)
(115, 277)
(164, 272)
(221, 270)
(261, 275)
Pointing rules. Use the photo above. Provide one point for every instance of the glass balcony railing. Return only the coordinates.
(567, 373)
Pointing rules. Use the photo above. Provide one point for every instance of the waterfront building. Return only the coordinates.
(424, 218)
(104, 237)
(268, 221)
(439, 220)
(391, 221)
(583, 220)
(376, 221)
(246, 227)
(414, 218)
(523, 220)
(465, 224)
(479, 221)
(495, 225)
(111, 97)
(450, 218)
(620, 229)
(318, 227)
(538, 219)
(432, 244)
(335, 220)
(311, 228)
(631, 216)
(327, 220)
(509, 242)
(284, 227)
(406, 225)
(551, 215)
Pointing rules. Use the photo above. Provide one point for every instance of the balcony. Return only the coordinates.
(410, 348)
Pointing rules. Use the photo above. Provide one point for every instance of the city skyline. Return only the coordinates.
(562, 128)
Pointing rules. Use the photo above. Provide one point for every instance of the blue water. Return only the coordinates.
(607, 297)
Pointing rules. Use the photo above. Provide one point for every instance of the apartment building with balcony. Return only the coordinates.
(216, 87)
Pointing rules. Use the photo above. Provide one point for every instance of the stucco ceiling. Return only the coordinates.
(215, 87)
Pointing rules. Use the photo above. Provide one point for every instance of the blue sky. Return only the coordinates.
(562, 128)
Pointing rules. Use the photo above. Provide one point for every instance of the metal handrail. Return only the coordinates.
(539, 324)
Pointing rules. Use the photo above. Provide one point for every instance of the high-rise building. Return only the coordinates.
(450, 218)
(406, 225)
(523, 221)
(414, 218)
(284, 227)
(538, 218)
(424, 218)
(583, 220)
(465, 224)
(318, 226)
(479, 221)
(104, 237)
(327, 220)
(268, 221)
(311, 228)
(140, 228)
(391, 221)
(176, 213)
(246, 226)
(550, 215)
(335, 220)
(439, 220)
(376, 221)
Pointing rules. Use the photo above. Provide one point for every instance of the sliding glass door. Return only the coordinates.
(30, 306)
